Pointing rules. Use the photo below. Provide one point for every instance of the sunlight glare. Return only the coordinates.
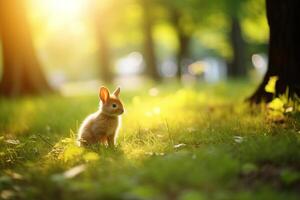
(67, 7)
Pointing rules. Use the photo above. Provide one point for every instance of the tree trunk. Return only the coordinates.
(105, 60)
(102, 27)
(237, 67)
(149, 50)
(182, 53)
(183, 40)
(21, 73)
(284, 50)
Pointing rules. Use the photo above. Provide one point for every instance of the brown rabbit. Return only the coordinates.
(102, 126)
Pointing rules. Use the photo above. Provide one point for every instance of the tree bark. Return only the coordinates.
(21, 73)
(182, 53)
(149, 49)
(102, 27)
(237, 67)
(284, 50)
(105, 60)
(183, 41)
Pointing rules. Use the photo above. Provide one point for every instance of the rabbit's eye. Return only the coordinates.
(114, 105)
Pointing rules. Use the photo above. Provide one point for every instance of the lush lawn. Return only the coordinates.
(180, 143)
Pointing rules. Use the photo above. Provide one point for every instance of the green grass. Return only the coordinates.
(184, 143)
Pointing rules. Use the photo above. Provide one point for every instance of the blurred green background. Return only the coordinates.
(131, 41)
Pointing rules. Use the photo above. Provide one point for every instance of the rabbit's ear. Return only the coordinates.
(104, 94)
(117, 92)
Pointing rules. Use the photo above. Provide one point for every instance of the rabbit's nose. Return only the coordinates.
(122, 110)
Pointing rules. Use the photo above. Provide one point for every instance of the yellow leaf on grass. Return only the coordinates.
(270, 87)
(277, 104)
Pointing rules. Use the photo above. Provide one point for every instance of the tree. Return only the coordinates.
(149, 49)
(237, 65)
(183, 39)
(104, 52)
(284, 50)
(188, 17)
(185, 18)
(103, 25)
(21, 73)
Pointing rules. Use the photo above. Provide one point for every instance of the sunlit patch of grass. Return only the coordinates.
(175, 143)
(68, 153)
(22, 115)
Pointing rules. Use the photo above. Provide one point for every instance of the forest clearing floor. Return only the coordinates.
(187, 143)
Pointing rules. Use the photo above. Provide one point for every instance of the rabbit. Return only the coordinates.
(103, 125)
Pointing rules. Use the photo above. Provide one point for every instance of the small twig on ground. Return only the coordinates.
(44, 140)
